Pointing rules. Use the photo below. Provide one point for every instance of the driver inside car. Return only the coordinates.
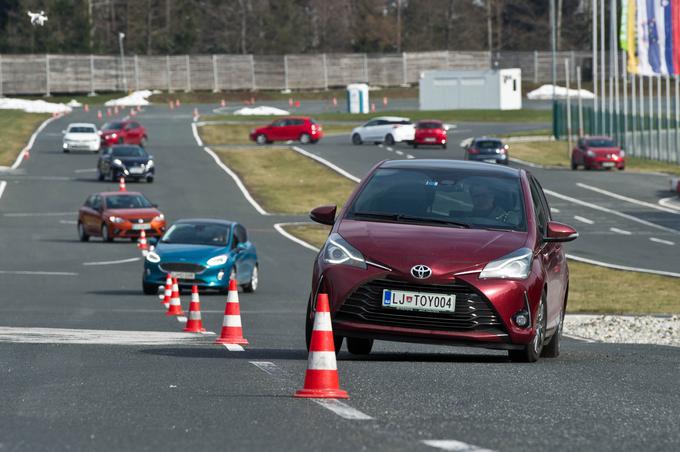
(487, 204)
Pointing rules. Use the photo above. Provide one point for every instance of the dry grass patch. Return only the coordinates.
(16, 128)
(283, 181)
(314, 234)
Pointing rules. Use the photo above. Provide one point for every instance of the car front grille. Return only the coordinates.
(183, 267)
(140, 220)
(473, 311)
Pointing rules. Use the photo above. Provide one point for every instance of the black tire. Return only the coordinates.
(444, 146)
(254, 281)
(389, 139)
(149, 179)
(106, 236)
(574, 166)
(143, 141)
(532, 351)
(622, 168)
(149, 289)
(100, 175)
(261, 139)
(552, 348)
(305, 138)
(415, 146)
(309, 326)
(356, 139)
(82, 235)
(66, 151)
(359, 345)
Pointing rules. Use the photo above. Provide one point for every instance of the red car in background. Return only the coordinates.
(303, 129)
(119, 215)
(119, 132)
(596, 153)
(430, 132)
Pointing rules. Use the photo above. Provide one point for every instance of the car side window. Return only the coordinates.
(544, 200)
(371, 123)
(134, 125)
(539, 208)
(240, 236)
(88, 201)
(296, 122)
(279, 123)
(97, 202)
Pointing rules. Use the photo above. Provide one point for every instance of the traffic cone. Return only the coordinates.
(99, 115)
(290, 101)
(108, 112)
(27, 154)
(373, 107)
(223, 103)
(141, 243)
(195, 112)
(321, 379)
(194, 322)
(133, 112)
(232, 332)
(385, 101)
(168, 291)
(177, 103)
(171, 105)
(335, 101)
(175, 307)
(297, 104)
(252, 101)
(115, 111)
(86, 108)
(121, 184)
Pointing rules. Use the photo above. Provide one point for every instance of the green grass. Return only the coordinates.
(16, 127)
(283, 181)
(218, 134)
(528, 133)
(555, 153)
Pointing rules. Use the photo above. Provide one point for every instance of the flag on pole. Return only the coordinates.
(623, 30)
(668, 35)
(675, 20)
(631, 35)
(653, 52)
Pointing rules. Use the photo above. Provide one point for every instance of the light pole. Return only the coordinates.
(121, 36)
(553, 50)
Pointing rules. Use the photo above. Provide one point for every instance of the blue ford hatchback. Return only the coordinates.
(204, 252)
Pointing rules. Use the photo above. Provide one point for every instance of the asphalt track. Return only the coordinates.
(136, 384)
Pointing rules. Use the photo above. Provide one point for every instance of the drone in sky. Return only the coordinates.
(37, 18)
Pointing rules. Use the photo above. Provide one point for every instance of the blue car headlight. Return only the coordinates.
(153, 257)
(217, 260)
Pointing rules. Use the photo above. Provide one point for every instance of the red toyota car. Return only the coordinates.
(117, 214)
(446, 252)
(302, 129)
(430, 132)
(598, 153)
(119, 132)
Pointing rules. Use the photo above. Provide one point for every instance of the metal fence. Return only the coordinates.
(47, 74)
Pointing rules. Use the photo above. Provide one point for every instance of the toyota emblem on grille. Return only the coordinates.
(421, 271)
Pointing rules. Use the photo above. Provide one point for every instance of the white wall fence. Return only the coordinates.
(48, 74)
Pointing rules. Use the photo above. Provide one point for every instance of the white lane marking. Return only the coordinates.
(381, 145)
(332, 166)
(613, 212)
(454, 445)
(3, 184)
(96, 337)
(672, 202)
(409, 156)
(627, 199)
(622, 267)
(86, 170)
(399, 152)
(583, 220)
(389, 149)
(342, 409)
(620, 231)
(121, 261)
(525, 163)
(268, 367)
(238, 182)
(181, 319)
(234, 347)
(662, 241)
(279, 228)
(195, 132)
(38, 273)
(68, 222)
(579, 338)
(39, 214)
(554, 210)
(31, 141)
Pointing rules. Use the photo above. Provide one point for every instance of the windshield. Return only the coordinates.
(429, 125)
(129, 151)
(198, 234)
(82, 129)
(444, 197)
(115, 125)
(489, 144)
(601, 143)
(127, 202)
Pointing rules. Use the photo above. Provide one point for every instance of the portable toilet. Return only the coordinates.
(357, 98)
(455, 90)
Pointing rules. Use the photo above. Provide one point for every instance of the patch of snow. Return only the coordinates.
(545, 92)
(32, 106)
(625, 329)
(74, 103)
(132, 100)
(263, 111)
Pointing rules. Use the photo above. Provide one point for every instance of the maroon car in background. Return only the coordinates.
(119, 132)
(447, 252)
(597, 152)
(430, 132)
(302, 129)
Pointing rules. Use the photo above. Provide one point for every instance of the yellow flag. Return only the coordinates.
(632, 37)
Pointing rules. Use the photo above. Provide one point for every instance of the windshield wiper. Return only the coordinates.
(376, 215)
(432, 220)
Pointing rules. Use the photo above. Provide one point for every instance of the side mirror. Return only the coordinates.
(559, 232)
(63, 132)
(150, 157)
(241, 247)
(324, 214)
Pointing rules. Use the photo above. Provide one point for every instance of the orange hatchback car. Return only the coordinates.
(119, 215)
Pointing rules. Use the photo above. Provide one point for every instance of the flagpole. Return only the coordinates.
(594, 75)
(677, 117)
(658, 117)
(633, 114)
(650, 149)
(614, 58)
(602, 66)
(667, 123)
(641, 119)
(580, 103)
(625, 99)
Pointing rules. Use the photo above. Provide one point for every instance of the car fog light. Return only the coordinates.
(521, 319)
(220, 275)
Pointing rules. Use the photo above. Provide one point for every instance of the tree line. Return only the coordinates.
(289, 26)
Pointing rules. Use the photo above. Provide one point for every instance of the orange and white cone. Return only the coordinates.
(175, 307)
(167, 295)
(335, 101)
(223, 103)
(172, 105)
(142, 243)
(108, 112)
(99, 115)
(321, 379)
(177, 103)
(232, 331)
(86, 108)
(194, 322)
(121, 184)
(195, 112)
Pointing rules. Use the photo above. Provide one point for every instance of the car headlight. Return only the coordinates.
(153, 257)
(114, 219)
(118, 162)
(338, 251)
(217, 260)
(114, 135)
(149, 164)
(590, 153)
(159, 217)
(515, 265)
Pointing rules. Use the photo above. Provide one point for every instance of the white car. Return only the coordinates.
(81, 137)
(387, 129)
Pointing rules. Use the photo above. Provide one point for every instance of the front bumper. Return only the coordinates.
(489, 158)
(92, 146)
(121, 171)
(125, 230)
(604, 163)
(207, 277)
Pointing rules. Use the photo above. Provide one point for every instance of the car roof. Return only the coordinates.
(124, 193)
(598, 137)
(390, 118)
(439, 121)
(207, 220)
(81, 124)
(488, 138)
(473, 167)
(293, 117)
